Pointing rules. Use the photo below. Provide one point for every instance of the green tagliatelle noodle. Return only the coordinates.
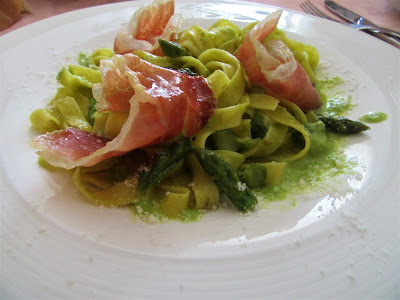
(70, 106)
(227, 77)
(249, 129)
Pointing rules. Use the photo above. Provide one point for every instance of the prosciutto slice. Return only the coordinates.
(272, 65)
(149, 23)
(162, 103)
(72, 144)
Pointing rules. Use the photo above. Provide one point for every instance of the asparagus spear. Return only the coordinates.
(165, 162)
(342, 125)
(219, 170)
(172, 49)
(258, 128)
(226, 178)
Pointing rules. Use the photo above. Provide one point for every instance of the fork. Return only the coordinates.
(311, 9)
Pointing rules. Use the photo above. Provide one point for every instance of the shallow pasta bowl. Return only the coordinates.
(329, 244)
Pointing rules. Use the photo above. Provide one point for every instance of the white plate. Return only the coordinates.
(342, 242)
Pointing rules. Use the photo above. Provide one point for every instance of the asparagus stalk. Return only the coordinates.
(172, 49)
(164, 163)
(226, 178)
(342, 125)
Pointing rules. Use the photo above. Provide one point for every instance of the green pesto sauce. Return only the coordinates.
(334, 101)
(147, 209)
(306, 174)
(325, 160)
(338, 104)
(373, 117)
(191, 215)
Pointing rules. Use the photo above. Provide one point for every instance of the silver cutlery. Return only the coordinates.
(356, 19)
(311, 9)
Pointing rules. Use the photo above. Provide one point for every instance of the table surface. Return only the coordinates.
(379, 11)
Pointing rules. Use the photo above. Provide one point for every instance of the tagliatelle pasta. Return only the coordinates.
(144, 103)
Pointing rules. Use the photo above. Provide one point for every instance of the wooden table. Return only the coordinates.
(378, 11)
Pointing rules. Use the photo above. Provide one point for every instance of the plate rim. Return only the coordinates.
(24, 31)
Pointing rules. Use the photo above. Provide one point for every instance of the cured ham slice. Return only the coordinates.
(162, 103)
(69, 145)
(149, 23)
(272, 65)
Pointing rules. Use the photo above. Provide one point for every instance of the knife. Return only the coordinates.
(355, 18)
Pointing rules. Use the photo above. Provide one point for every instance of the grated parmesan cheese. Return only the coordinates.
(241, 186)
